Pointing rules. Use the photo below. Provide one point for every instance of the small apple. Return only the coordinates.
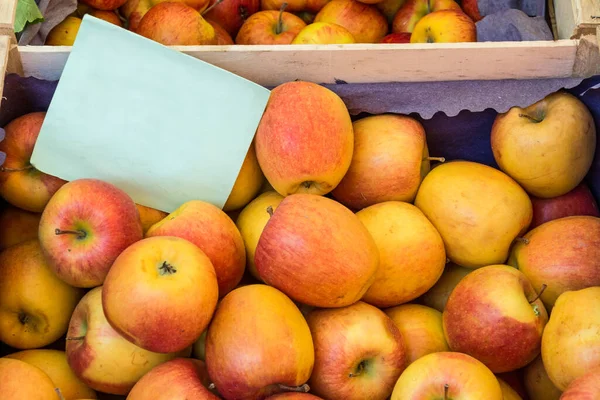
(586, 387)
(484, 312)
(364, 21)
(270, 27)
(35, 305)
(317, 252)
(258, 344)
(17, 226)
(437, 296)
(84, 227)
(421, 328)
(323, 33)
(547, 147)
(209, 228)
(180, 378)
(579, 201)
(447, 375)
(20, 183)
(300, 158)
(104, 4)
(444, 26)
(141, 296)
(100, 356)
(231, 14)
(149, 216)
(252, 221)
(22, 381)
(563, 254)
(537, 383)
(176, 24)
(400, 37)
(346, 365)
(413, 10)
(54, 364)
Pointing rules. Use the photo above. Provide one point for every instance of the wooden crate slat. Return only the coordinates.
(575, 18)
(8, 10)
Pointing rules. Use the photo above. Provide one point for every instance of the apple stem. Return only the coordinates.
(75, 338)
(5, 169)
(446, 388)
(522, 240)
(80, 234)
(59, 393)
(270, 211)
(428, 7)
(359, 370)
(211, 7)
(529, 117)
(440, 159)
(300, 389)
(279, 27)
(167, 269)
(544, 286)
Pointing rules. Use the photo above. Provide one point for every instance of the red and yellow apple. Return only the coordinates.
(223, 39)
(231, 14)
(21, 381)
(21, 184)
(400, 37)
(437, 296)
(297, 157)
(444, 26)
(412, 11)
(547, 147)
(54, 364)
(317, 252)
(17, 226)
(102, 358)
(389, 161)
(323, 33)
(447, 375)
(258, 344)
(270, 27)
(537, 383)
(176, 24)
(364, 21)
(248, 182)
(346, 365)
(142, 300)
(84, 227)
(209, 228)
(134, 10)
(35, 305)
(495, 315)
(471, 8)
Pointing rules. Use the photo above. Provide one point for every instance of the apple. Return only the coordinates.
(209, 228)
(421, 328)
(180, 378)
(437, 296)
(346, 365)
(295, 6)
(141, 296)
(20, 183)
(323, 33)
(444, 26)
(413, 10)
(514, 380)
(35, 305)
(22, 381)
(411, 253)
(63, 34)
(508, 392)
(102, 358)
(297, 157)
(364, 21)
(537, 383)
(570, 345)
(270, 27)
(224, 39)
(308, 18)
(258, 344)
(447, 375)
(547, 147)
(199, 347)
(400, 37)
(389, 8)
(389, 161)
(84, 227)
(149, 216)
(586, 387)
(563, 254)
(495, 315)
(134, 10)
(231, 14)
(293, 396)
(317, 252)
(579, 201)
(17, 226)
(54, 364)
(248, 182)
(176, 24)
(104, 4)
(471, 8)
(478, 210)
(252, 221)
(108, 16)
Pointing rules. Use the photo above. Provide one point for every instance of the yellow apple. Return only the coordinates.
(247, 184)
(65, 33)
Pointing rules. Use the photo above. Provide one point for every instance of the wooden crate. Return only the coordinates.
(272, 65)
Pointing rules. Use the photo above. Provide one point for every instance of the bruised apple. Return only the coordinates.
(317, 252)
(297, 157)
(364, 21)
(258, 324)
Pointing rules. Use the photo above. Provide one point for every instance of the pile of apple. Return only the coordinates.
(272, 22)
(355, 268)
